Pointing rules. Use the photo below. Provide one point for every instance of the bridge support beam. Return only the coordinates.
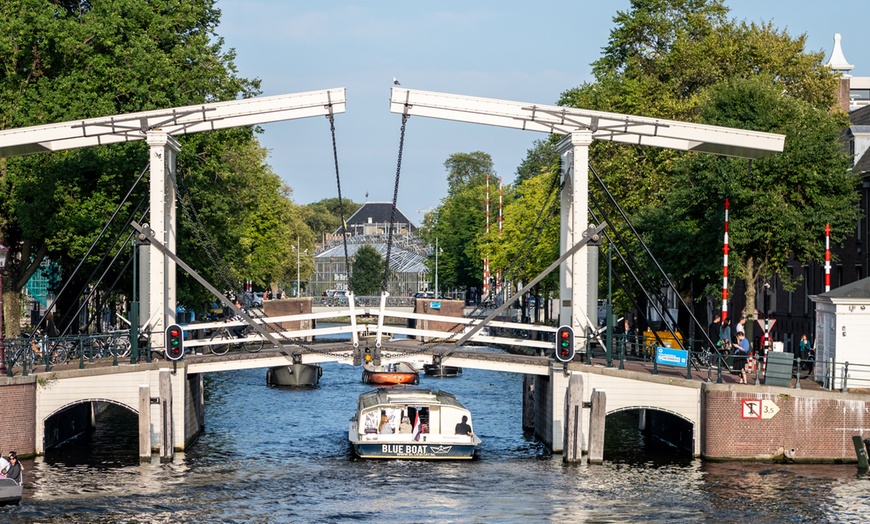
(157, 270)
(166, 441)
(575, 279)
(144, 423)
(573, 449)
(597, 416)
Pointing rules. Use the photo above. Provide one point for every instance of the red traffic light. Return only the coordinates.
(564, 344)
(174, 343)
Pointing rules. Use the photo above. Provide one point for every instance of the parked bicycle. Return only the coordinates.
(227, 339)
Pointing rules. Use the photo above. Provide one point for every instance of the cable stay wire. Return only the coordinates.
(652, 258)
(205, 241)
(93, 245)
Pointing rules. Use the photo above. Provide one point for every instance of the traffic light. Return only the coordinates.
(174, 343)
(565, 344)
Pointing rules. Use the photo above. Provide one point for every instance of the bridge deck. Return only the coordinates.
(394, 351)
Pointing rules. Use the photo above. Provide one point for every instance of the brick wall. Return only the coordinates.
(448, 308)
(289, 306)
(18, 412)
(812, 427)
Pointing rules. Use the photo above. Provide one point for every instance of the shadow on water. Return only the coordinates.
(113, 442)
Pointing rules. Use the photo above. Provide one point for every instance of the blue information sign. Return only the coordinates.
(435, 305)
(671, 357)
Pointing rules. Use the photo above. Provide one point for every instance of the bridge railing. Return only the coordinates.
(362, 301)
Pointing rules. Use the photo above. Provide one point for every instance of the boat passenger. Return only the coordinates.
(14, 472)
(384, 428)
(4, 465)
(405, 426)
(463, 428)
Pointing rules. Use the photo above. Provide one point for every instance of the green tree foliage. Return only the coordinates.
(779, 205)
(460, 219)
(368, 271)
(66, 60)
(676, 59)
(531, 222)
(324, 216)
(467, 170)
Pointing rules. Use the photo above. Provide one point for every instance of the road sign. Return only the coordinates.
(770, 323)
(758, 409)
(769, 409)
(751, 409)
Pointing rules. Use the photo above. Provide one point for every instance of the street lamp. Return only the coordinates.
(3, 251)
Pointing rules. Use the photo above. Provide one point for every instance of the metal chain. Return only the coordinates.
(340, 203)
(393, 210)
(207, 244)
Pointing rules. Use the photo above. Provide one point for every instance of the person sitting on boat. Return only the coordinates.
(14, 472)
(463, 428)
(405, 426)
(385, 428)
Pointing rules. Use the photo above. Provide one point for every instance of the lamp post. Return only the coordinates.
(3, 251)
(436, 267)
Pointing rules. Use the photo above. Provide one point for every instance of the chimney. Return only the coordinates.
(838, 63)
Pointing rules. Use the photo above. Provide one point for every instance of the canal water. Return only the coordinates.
(281, 455)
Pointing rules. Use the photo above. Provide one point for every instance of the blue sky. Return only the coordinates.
(514, 50)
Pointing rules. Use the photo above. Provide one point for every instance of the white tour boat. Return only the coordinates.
(412, 423)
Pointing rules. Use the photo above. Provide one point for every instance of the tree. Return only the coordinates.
(676, 59)
(71, 60)
(367, 274)
(779, 205)
(324, 216)
(467, 169)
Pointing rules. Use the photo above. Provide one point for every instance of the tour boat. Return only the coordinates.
(440, 370)
(297, 375)
(390, 374)
(412, 423)
(10, 492)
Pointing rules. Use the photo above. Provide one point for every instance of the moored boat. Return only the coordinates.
(440, 370)
(390, 374)
(10, 492)
(296, 375)
(412, 423)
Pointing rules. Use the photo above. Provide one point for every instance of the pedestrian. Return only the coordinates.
(725, 333)
(741, 326)
(238, 331)
(713, 330)
(741, 354)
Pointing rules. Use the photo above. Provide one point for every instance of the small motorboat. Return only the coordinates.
(412, 423)
(440, 370)
(390, 374)
(295, 375)
(10, 492)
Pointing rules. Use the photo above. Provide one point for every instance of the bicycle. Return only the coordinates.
(228, 339)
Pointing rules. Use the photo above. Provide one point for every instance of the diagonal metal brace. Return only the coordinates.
(593, 233)
(146, 236)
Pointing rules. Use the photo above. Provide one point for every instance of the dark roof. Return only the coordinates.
(858, 289)
(860, 116)
(379, 212)
(863, 164)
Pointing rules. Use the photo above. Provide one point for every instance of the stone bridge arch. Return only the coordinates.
(70, 420)
(665, 424)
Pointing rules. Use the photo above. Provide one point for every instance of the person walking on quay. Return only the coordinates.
(725, 333)
(741, 326)
(713, 330)
(741, 355)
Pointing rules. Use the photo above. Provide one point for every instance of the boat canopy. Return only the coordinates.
(413, 396)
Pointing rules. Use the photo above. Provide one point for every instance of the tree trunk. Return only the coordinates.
(750, 277)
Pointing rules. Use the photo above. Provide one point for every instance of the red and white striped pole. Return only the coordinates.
(725, 268)
(827, 257)
(498, 283)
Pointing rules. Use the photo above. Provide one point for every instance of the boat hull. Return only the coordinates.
(414, 451)
(10, 492)
(385, 378)
(294, 375)
(435, 370)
